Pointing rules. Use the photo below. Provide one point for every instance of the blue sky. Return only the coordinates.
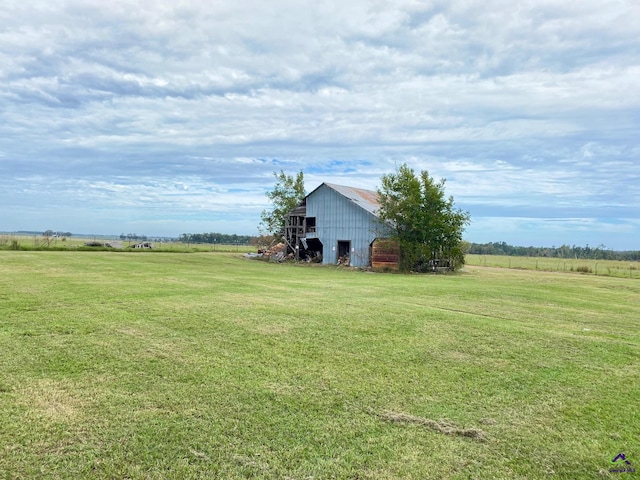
(164, 117)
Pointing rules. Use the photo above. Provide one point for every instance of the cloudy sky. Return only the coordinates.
(167, 117)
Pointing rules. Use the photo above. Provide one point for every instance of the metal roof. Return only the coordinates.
(366, 199)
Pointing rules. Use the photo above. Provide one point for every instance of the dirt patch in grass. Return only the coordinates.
(133, 331)
(272, 329)
(53, 400)
(441, 426)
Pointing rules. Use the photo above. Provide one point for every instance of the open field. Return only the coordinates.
(611, 268)
(38, 242)
(209, 365)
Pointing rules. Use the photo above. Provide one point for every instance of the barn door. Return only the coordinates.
(344, 249)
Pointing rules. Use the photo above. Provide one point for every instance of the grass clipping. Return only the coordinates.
(440, 426)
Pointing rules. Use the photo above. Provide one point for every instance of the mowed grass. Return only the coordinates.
(210, 365)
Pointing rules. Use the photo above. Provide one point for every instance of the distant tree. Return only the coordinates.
(424, 222)
(215, 238)
(263, 240)
(287, 193)
(563, 251)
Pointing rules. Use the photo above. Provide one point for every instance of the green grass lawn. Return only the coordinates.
(210, 365)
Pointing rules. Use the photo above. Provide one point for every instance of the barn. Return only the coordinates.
(336, 223)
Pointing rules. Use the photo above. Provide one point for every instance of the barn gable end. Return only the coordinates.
(338, 221)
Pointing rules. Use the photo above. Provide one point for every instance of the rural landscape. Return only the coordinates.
(212, 365)
(319, 240)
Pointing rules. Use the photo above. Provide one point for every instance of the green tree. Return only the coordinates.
(287, 193)
(423, 221)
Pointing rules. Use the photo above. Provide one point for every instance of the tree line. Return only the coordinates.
(563, 251)
(219, 238)
(51, 233)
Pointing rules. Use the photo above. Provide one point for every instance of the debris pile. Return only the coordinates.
(344, 260)
(275, 252)
(93, 244)
(311, 256)
(109, 244)
(142, 245)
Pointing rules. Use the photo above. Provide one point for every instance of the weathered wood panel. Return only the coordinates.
(385, 254)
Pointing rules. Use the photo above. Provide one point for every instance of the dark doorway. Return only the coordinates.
(311, 250)
(344, 249)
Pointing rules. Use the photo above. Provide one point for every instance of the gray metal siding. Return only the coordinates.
(340, 219)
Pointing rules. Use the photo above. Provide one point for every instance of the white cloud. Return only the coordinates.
(524, 108)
